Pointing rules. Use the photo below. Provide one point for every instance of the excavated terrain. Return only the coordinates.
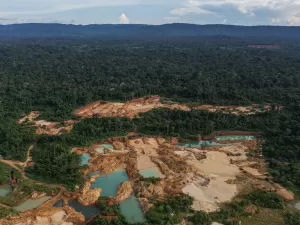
(44, 127)
(135, 107)
(50, 216)
(211, 175)
(128, 109)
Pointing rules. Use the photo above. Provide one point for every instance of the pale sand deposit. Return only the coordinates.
(147, 146)
(216, 163)
(237, 151)
(218, 169)
(144, 162)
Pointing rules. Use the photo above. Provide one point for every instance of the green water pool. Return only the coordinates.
(153, 172)
(132, 211)
(31, 204)
(110, 183)
(4, 190)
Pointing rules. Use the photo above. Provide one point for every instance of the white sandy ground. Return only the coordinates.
(56, 219)
(217, 167)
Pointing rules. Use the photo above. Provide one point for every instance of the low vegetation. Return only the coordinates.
(23, 190)
(6, 212)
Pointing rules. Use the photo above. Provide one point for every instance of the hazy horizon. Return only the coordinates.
(154, 12)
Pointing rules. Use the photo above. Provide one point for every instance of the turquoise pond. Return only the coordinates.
(87, 211)
(235, 138)
(4, 190)
(132, 211)
(199, 144)
(110, 183)
(84, 159)
(31, 204)
(154, 172)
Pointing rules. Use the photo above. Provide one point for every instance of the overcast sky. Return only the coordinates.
(243, 12)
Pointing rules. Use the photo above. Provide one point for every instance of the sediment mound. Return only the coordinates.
(124, 192)
(52, 216)
(89, 196)
(44, 127)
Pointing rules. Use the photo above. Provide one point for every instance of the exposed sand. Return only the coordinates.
(147, 146)
(218, 169)
(208, 198)
(237, 151)
(133, 108)
(217, 163)
(144, 162)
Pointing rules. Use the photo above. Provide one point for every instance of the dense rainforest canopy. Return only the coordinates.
(57, 76)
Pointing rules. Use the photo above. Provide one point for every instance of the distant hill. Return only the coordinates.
(138, 30)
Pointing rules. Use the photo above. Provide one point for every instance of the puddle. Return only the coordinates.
(102, 146)
(93, 174)
(59, 204)
(235, 138)
(100, 150)
(85, 159)
(200, 144)
(4, 190)
(153, 172)
(110, 183)
(297, 205)
(108, 146)
(32, 204)
(87, 211)
(132, 211)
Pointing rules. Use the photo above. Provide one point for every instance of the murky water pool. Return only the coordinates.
(87, 211)
(59, 204)
(132, 211)
(153, 172)
(31, 204)
(4, 190)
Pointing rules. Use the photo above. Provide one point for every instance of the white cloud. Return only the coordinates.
(294, 21)
(286, 10)
(124, 19)
(189, 10)
(276, 20)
